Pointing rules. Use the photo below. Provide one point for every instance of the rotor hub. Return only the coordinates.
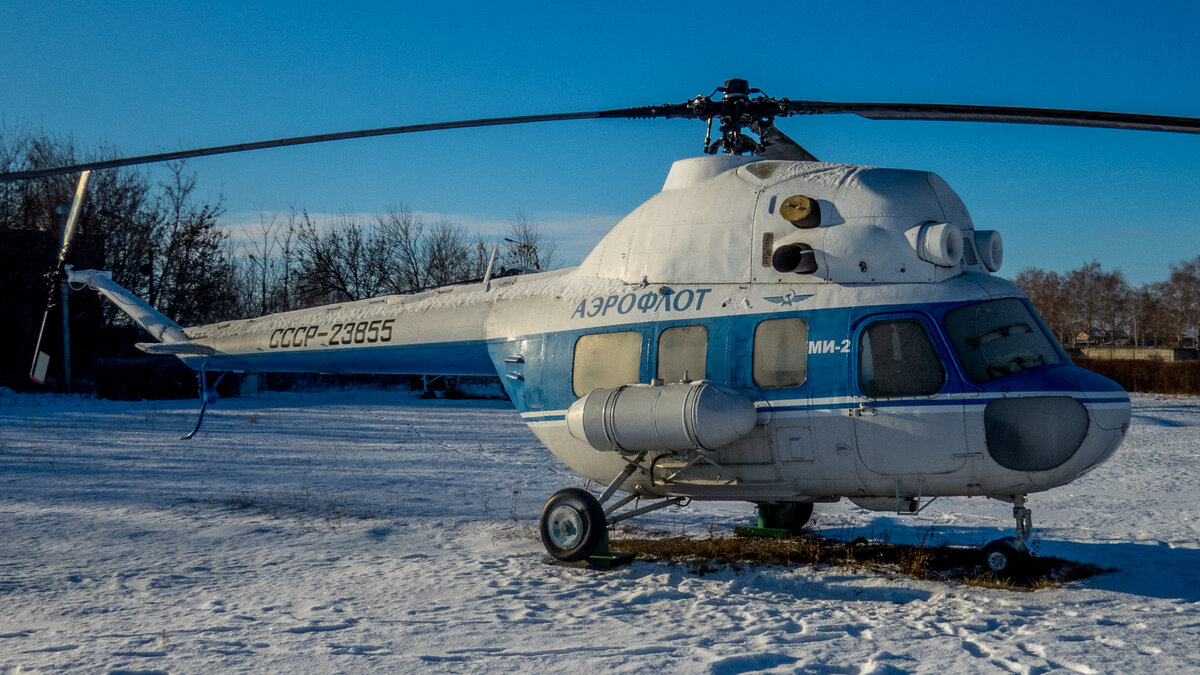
(737, 110)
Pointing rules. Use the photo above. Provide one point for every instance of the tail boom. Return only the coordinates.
(155, 322)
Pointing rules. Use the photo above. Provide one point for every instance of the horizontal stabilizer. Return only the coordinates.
(176, 348)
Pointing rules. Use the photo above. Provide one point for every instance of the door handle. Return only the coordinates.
(863, 409)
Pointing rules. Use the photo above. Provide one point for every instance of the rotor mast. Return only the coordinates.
(736, 111)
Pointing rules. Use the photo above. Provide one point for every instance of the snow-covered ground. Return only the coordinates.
(366, 530)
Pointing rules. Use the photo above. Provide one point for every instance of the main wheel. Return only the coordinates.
(1003, 557)
(572, 525)
(790, 516)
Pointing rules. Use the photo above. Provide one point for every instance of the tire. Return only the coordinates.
(572, 525)
(790, 516)
(1002, 557)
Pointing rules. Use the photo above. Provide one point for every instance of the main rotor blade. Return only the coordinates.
(984, 113)
(699, 108)
(631, 113)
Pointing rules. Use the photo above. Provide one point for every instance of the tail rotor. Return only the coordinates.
(41, 360)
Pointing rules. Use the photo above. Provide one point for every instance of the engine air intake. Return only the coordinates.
(940, 244)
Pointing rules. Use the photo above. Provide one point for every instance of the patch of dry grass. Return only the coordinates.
(934, 563)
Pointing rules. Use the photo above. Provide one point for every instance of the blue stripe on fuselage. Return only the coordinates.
(469, 357)
(542, 381)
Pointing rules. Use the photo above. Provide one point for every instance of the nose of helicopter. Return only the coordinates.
(1058, 436)
(1108, 410)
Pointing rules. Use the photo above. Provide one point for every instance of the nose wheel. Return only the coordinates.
(1010, 555)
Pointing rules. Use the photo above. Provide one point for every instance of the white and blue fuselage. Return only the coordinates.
(899, 368)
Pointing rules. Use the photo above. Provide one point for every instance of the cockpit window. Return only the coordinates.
(998, 338)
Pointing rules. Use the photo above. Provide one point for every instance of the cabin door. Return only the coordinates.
(905, 422)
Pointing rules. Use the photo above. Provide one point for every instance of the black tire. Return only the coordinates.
(1002, 557)
(790, 516)
(572, 525)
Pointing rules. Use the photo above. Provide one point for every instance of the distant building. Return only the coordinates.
(1168, 354)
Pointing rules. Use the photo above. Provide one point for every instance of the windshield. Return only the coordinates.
(998, 338)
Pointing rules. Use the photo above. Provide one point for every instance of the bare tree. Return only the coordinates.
(157, 240)
(123, 210)
(31, 204)
(1182, 291)
(288, 253)
(1047, 293)
(405, 231)
(322, 275)
(527, 245)
(446, 253)
(1114, 311)
(14, 155)
(192, 272)
(1097, 299)
(1088, 300)
(345, 260)
(1152, 324)
(261, 267)
(478, 256)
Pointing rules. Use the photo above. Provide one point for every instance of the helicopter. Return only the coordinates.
(768, 328)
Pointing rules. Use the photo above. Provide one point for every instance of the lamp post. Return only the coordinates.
(63, 212)
(526, 249)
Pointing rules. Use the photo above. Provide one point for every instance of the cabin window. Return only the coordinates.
(997, 338)
(896, 358)
(606, 360)
(781, 353)
(682, 351)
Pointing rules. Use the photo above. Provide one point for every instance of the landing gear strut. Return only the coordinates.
(574, 524)
(1009, 555)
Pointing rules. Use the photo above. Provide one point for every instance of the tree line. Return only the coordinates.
(1106, 308)
(291, 260)
(167, 244)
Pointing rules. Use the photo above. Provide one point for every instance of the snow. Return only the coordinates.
(369, 530)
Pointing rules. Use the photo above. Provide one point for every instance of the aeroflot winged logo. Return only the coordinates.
(788, 299)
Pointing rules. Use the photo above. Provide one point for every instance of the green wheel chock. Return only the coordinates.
(768, 532)
(605, 559)
(768, 524)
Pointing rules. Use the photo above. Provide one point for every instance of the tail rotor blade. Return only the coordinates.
(73, 218)
(41, 360)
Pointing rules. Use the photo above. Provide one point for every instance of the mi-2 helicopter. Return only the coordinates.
(768, 328)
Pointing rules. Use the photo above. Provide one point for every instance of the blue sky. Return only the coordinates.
(157, 76)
